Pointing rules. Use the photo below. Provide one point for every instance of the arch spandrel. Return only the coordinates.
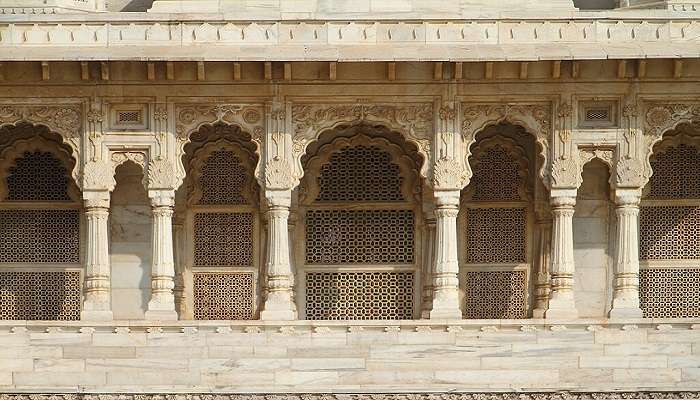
(65, 120)
(414, 121)
(190, 118)
(535, 118)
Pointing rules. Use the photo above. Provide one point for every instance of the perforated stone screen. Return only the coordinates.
(39, 236)
(670, 292)
(496, 235)
(223, 239)
(223, 295)
(495, 294)
(223, 178)
(669, 233)
(676, 174)
(359, 236)
(496, 175)
(360, 173)
(37, 176)
(359, 295)
(26, 295)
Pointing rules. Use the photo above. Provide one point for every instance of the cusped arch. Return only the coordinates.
(514, 150)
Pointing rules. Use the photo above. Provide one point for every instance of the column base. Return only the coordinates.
(161, 315)
(561, 313)
(95, 315)
(538, 313)
(278, 315)
(626, 312)
(445, 313)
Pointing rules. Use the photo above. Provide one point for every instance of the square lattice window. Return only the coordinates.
(40, 236)
(223, 239)
(226, 296)
(495, 294)
(670, 292)
(496, 235)
(26, 295)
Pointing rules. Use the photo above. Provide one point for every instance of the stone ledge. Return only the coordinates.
(553, 395)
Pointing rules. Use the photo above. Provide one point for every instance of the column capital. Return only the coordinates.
(562, 202)
(162, 198)
(278, 197)
(627, 198)
(96, 199)
(448, 198)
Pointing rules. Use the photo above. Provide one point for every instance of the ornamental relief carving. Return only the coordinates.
(449, 174)
(414, 120)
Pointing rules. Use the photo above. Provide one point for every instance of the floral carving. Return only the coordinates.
(565, 173)
(161, 174)
(98, 176)
(605, 155)
(190, 116)
(137, 157)
(278, 174)
(449, 174)
(629, 172)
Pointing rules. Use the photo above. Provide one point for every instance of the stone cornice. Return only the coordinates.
(554, 395)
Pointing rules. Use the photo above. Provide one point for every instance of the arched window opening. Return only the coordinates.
(669, 242)
(360, 211)
(495, 227)
(223, 227)
(40, 271)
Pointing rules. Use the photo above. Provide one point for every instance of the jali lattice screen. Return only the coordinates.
(496, 235)
(39, 236)
(223, 295)
(495, 294)
(359, 295)
(496, 175)
(223, 177)
(27, 295)
(37, 176)
(670, 292)
(223, 239)
(359, 236)
(669, 233)
(675, 174)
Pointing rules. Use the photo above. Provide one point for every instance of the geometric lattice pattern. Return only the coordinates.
(223, 239)
(359, 295)
(37, 176)
(676, 174)
(40, 295)
(223, 177)
(360, 173)
(226, 296)
(670, 292)
(39, 236)
(496, 176)
(496, 235)
(495, 294)
(669, 233)
(359, 236)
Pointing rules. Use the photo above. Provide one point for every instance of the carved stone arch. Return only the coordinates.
(606, 155)
(535, 119)
(63, 123)
(407, 165)
(248, 119)
(413, 121)
(17, 148)
(683, 134)
(139, 158)
(515, 150)
(199, 159)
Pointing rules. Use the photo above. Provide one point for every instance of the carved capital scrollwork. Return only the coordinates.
(565, 173)
(278, 175)
(629, 172)
(98, 175)
(449, 174)
(161, 175)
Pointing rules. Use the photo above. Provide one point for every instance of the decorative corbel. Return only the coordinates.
(95, 119)
(160, 117)
(278, 169)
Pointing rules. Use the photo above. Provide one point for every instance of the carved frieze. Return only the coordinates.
(189, 117)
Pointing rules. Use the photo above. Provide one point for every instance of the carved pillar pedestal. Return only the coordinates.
(561, 300)
(626, 283)
(162, 303)
(445, 281)
(97, 303)
(279, 304)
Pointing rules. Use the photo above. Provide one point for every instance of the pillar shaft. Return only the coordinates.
(162, 303)
(626, 281)
(445, 281)
(97, 304)
(561, 300)
(542, 282)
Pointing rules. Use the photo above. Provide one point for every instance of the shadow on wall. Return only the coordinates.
(129, 5)
(595, 4)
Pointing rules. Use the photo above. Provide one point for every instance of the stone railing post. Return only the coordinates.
(445, 280)
(279, 304)
(97, 303)
(162, 303)
(561, 300)
(625, 302)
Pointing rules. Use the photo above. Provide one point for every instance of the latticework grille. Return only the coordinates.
(496, 235)
(676, 174)
(495, 294)
(669, 233)
(39, 236)
(359, 236)
(359, 295)
(497, 175)
(223, 239)
(670, 292)
(37, 176)
(223, 179)
(360, 173)
(223, 295)
(39, 295)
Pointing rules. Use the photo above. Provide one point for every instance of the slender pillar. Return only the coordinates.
(429, 254)
(626, 282)
(162, 303)
(179, 289)
(543, 228)
(561, 301)
(445, 282)
(279, 304)
(97, 304)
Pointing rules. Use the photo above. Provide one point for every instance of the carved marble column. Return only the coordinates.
(626, 282)
(543, 230)
(428, 257)
(97, 304)
(162, 303)
(179, 251)
(445, 281)
(561, 300)
(279, 304)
